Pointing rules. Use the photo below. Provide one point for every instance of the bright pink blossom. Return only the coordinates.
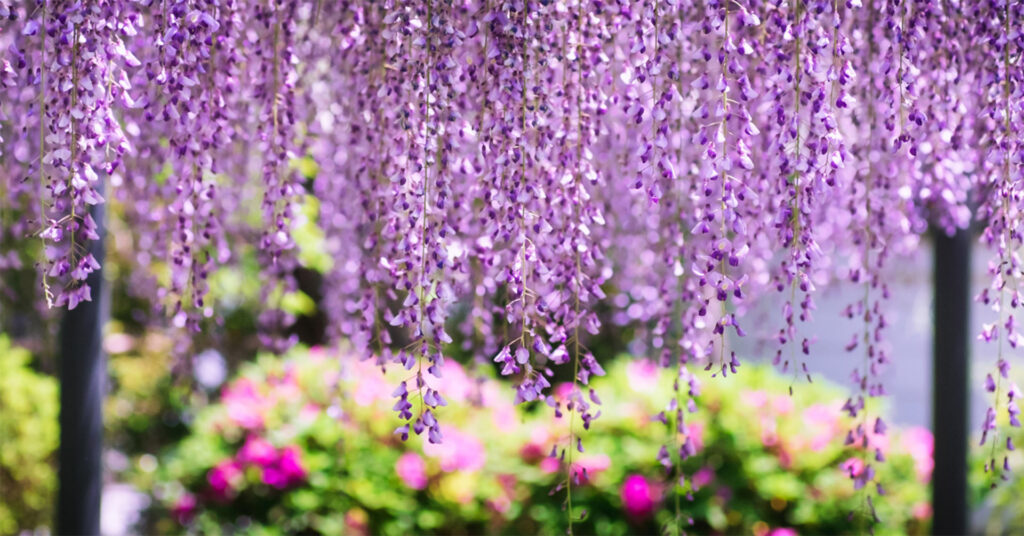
(257, 451)
(290, 464)
(286, 470)
(412, 470)
(639, 497)
(458, 452)
(224, 478)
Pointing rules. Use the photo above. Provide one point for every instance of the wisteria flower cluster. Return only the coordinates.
(487, 170)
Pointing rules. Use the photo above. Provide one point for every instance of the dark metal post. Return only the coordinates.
(82, 384)
(950, 377)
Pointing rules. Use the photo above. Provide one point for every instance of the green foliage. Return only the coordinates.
(768, 460)
(142, 411)
(29, 435)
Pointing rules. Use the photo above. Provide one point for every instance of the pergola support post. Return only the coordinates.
(83, 373)
(951, 372)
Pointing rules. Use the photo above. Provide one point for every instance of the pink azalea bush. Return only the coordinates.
(319, 443)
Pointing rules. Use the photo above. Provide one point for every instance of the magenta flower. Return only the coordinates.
(275, 477)
(639, 498)
(224, 478)
(412, 470)
(285, 468)
(257, 451)
(783, 531)
(184, 508)
(290, 464)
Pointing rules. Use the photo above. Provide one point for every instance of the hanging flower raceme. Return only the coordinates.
(1002, 169)
(186, 103)
(75, 57)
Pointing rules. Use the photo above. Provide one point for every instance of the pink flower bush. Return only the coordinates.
(920, 443)
(460, 472)
(782, 404)
(639, 497)
(289, 467)
(411, 469)
(278, 468)
(456, 385)
(244, 403)
(257, 451)
(372, 388)
(459, 451)
(754, 399)
(824, 421)
(224, 478)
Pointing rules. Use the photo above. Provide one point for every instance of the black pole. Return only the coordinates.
(950, 376)
(82, 378)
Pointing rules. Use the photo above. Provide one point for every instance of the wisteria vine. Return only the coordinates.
(487, 170)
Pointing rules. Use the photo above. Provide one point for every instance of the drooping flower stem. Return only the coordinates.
(43, 219)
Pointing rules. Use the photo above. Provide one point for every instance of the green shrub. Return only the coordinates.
(29, 437)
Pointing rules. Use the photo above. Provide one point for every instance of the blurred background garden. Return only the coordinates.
(209, 435)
